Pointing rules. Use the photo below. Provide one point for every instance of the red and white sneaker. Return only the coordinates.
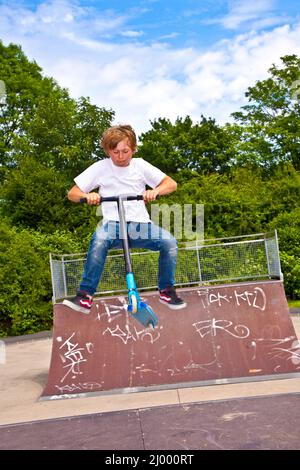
(81, 303)
(170, 298)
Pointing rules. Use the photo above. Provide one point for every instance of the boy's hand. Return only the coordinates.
(150, 195)
(93, 199)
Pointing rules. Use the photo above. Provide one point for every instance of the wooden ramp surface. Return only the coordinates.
(227, 333)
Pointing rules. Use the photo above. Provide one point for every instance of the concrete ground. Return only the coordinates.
(24, 366)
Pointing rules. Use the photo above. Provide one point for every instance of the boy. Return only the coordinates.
(117, 175)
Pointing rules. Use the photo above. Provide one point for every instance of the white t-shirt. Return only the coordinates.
(113, 180)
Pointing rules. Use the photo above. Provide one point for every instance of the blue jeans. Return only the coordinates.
(141, 235)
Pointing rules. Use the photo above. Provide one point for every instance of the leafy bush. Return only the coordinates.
(25, 280)
(288, 224)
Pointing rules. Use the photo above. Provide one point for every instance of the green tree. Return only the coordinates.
(203, 147)
(268, 133)
(23, 82)
(35, 197)
(64, 134)
(46, 139)
(41, 119)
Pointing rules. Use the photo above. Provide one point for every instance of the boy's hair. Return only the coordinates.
(112, 136)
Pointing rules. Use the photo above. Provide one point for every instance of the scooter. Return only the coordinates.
(136, 307)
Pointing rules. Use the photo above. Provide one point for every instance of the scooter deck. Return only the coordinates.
(145, 315)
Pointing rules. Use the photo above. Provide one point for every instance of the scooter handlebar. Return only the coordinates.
(139, 197)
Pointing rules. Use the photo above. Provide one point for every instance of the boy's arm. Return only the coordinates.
(166, 186)
(75, 194)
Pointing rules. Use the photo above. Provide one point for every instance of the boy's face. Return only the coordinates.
(122, 153)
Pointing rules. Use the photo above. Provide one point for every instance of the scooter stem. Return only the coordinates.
(124, 235)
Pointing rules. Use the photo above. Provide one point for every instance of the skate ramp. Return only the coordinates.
(227, 333)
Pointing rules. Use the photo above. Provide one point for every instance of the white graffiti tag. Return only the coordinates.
(291, 353)
(111, 311)
(210, 327)
(72, 356)
(79, 387)
(255, 299)
(125, 335)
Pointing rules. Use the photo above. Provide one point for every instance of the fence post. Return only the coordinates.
(267, 255)
(198, 261)
(64, 276)
(278, 257)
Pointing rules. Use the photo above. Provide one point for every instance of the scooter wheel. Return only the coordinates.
(134, 304)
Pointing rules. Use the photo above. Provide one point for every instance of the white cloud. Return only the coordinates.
(170, 36)
(256, 14)
(131, 34)
(142, 82)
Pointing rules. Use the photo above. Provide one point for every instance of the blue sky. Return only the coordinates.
(155, 58)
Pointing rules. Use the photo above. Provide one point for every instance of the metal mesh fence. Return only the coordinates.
(211, 261)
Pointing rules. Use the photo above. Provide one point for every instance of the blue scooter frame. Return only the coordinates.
(137, 308)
